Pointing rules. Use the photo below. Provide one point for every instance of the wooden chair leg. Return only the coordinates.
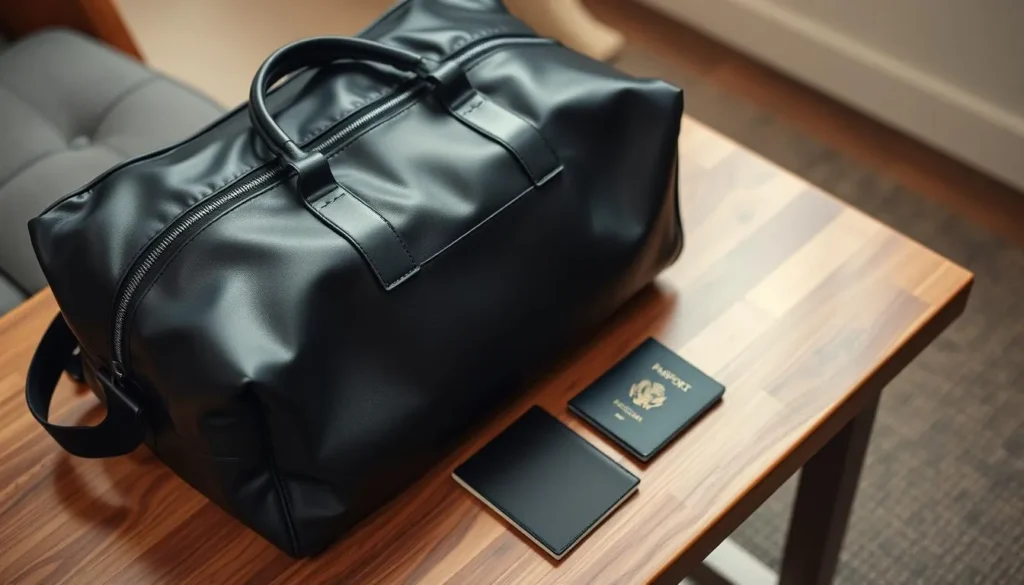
(570, 22)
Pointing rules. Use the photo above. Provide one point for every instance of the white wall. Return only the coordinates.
(950, 72)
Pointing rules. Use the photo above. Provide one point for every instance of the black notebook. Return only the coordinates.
(547, 481)
(646, 399)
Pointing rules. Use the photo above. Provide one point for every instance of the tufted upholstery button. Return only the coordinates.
(71, 108)
(79, 142)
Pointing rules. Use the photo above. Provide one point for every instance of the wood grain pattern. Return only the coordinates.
(804, 340)
(97, 18)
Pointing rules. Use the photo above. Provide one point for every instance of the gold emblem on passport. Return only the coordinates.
(647, 394)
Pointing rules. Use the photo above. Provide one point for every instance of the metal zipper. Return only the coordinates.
(351, 128)
(474, 50)
(140, 268)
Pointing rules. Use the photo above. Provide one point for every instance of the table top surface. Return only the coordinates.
(795, 301)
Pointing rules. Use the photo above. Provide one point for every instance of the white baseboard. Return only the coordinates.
(949, 118)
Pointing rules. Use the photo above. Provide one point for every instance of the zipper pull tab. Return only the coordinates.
(118, 369)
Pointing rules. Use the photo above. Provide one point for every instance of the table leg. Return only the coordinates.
(824, 497)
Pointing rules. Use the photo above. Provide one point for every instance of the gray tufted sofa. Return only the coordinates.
(70, 108)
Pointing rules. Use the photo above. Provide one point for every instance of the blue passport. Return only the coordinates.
(647, 399)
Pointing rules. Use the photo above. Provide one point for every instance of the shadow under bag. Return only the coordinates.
(306, 305)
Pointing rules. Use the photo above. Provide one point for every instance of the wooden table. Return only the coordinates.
(803, 307)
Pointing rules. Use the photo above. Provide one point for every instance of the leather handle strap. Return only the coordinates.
(121, 431)
(313, 52)
(370, 232)
(520, 138)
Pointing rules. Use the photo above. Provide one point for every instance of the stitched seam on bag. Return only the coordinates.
(539, 133)
(504, 143)
(359, 247)
(199, 198)
(406, 111)
(225, 183)
(366, 256)
(470, 230)
(480, 224)
(474, 108)
(388, 223)
(218, 187)
(335, 198)
(404, 276)
(362, 251)
(394, 89)
(282, 494)
(183, 245)
(507, 145)
(351, 239)
(216, 123)
(371, 208)
(279, 487)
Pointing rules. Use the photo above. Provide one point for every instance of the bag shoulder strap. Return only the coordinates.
(119, 433)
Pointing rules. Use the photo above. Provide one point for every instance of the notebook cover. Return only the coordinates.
(547, 481)
(647, 398)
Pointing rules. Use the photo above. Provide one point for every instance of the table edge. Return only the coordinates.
(901, 353)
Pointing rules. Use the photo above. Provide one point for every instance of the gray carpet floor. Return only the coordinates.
(941, 499)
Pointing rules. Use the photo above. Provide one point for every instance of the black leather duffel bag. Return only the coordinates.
(303, 307)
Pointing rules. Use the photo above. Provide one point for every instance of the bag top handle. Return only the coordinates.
(313, 52)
